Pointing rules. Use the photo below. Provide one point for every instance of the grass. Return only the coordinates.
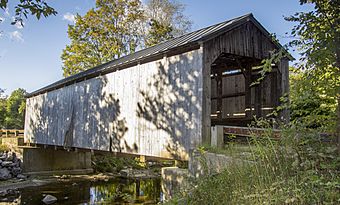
(298, 169)
(237, 150)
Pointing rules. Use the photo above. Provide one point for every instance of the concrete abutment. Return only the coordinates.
(48, 161)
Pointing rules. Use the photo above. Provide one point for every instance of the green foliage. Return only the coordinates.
(298, 169)
(115, 28)
(2, 108)
(317, 35)
(239, 150)
(310, 103)
(158, 32)
(107, 32)
(24, 8)
(274, 58)
(12, 110)
(108, 163)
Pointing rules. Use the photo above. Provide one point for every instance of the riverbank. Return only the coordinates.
(43, 180)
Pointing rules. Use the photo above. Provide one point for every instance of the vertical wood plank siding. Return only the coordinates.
(151, 109)
(161, 108)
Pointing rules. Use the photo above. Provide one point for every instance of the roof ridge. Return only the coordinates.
(188, 39)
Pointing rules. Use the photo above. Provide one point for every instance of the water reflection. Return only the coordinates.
(118, 191)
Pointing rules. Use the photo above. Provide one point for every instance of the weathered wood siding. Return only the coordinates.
(151, 109)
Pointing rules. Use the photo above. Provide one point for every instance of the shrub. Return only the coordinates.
(109, 163)
(300, 168)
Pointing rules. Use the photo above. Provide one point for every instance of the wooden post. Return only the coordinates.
(217, 136)
(219, 93)
(206, 95)
(258, 100)
(248, 81)
(274, 90)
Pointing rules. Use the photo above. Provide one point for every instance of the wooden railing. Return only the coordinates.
(11, 133)
(247, 131)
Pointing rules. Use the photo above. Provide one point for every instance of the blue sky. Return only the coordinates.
(30, 56)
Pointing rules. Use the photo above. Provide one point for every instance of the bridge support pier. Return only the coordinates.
(40, 161)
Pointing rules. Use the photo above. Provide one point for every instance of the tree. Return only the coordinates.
(166, 20)
(15, 110)
(2, 108)
(157, 33)
(318, 40)
(103, 34)
(24, 8)
(310, 104)
(115, 28)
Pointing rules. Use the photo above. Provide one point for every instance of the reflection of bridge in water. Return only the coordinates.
(113, 191)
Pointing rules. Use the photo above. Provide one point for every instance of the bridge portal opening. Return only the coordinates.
(235, 97)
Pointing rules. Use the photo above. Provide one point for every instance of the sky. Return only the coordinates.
(30, 55)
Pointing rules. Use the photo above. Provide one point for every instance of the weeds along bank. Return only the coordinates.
(301, 168)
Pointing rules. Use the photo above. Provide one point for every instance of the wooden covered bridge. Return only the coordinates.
(163, 100)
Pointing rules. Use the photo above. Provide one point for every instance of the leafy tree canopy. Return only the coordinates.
(310, 104)
(24, 8)
(12, 110)
(115, 28)
(166, 20)
(317, 39)
(317, 34)
(2, 108)
(104, 33)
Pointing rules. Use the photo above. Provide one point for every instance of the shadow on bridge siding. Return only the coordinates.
(172, 103)
(83, 115)
(87, 114)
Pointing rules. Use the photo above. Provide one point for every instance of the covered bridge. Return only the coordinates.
(162, 101)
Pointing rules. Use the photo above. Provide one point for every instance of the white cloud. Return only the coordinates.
(69, 17)
(16, 35)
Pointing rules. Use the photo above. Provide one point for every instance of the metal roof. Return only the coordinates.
(189, 39)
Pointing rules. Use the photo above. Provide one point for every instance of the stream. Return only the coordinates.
(116, 191)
